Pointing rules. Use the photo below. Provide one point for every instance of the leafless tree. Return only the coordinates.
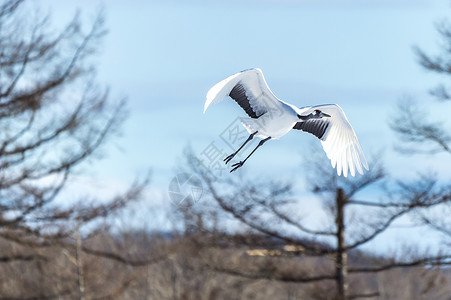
(424, 132)
(423, 128)
(267, 209)
(53, 118)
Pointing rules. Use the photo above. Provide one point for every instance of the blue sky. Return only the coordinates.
(165, 55)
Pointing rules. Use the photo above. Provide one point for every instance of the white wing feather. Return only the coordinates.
(254, 83)
(340, 141)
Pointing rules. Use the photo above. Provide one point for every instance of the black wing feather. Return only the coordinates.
(317, 127)
(238, 94)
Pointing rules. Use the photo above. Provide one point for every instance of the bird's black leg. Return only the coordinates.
(229, 158)
(237, 165)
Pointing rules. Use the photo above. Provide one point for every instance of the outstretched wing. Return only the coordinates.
(317, 127)
(248, 88)
(337, 137)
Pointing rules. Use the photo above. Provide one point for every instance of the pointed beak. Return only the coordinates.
(326, 115)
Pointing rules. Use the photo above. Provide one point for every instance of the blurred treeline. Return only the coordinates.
(244, 239)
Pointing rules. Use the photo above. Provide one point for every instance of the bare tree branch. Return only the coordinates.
(298, 225)
(368, 295)
(18, 257)
(123, 260)
(284, 277)
(413, 127)
(380, 229)
(426, 261)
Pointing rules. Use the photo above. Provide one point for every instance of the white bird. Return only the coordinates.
(272, 118)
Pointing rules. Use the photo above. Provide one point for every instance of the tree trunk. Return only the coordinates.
(341, 265)
(80, 273)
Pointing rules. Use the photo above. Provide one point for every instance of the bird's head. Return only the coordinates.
(316, 114)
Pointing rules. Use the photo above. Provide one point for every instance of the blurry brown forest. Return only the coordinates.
(245, 238)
